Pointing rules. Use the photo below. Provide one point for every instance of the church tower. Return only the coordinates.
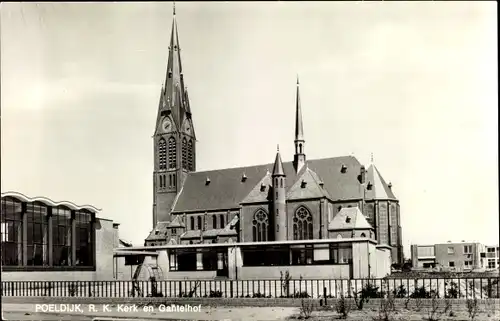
(174, 137)
(279, 199)
(299, 159)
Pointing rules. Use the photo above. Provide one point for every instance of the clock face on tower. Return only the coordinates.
(167, 125)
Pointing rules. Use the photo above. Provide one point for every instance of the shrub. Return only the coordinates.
(306, 308)
(215, 294)
(386, 309)
(434, 312)
(342, 307)
(302, 294)
(368, 291)
(400, 292)
(260, 295)
(421, 293)
(472, 308)
(452, 292)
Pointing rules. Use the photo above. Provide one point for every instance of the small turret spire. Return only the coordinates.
(371, 158)
(278, 165)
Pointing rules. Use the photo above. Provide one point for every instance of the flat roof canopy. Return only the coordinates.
(132, 253)
(252, 244)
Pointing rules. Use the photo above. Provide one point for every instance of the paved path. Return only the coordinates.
(30, 312)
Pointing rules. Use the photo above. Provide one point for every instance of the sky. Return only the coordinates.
(414, 83)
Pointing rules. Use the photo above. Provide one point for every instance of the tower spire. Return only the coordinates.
(299, 158)
(299, 129)
(173, 5)
(278, 165)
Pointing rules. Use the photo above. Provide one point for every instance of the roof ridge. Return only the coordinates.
(268, 164)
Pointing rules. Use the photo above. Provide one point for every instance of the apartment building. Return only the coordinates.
(460, 256)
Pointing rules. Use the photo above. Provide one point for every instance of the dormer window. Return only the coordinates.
(321, 183)
(348, 219)
(303, 184)
(157, 232)
(369, 186)
(244, 177)
(262, 187)
(207, 182)
(343, 169)
(390, 185)
(170, 73)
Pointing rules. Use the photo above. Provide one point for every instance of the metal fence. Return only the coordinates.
(481, 288)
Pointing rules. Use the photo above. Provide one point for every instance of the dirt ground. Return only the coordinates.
(400, 315)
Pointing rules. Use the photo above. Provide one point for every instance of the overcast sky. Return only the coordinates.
(413, 83)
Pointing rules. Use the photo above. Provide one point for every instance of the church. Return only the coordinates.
(264, 206)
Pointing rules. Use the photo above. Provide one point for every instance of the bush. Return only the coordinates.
(302, 294)
(472, 308)
(306, 308)
(421, 293)
(400, 292)
(435, 312)
(215, 294)
(342, 307)
(367, 292)
(452, 292)
(386, 309)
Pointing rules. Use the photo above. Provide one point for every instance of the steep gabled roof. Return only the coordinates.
(308, 185)
(159, 232)
(227, 190)
(379, 188)
(261, 192)
(176, 222)
(348, 219)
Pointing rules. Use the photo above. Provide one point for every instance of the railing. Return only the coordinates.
(481, 288)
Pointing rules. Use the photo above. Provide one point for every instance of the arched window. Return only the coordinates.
(260, 228)
(184, 152)
(172, 153)
(199, 223)
(302, 225)
(162, 154)
(190, 160)
(281, 182)
(192, 223)
(222, 224)
(339, 236)
(300, 148)
(363, 235)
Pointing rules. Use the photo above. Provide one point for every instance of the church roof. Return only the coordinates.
(308, 185)
(379, 188)
(226, 188)
(349, 218)
(159, 232)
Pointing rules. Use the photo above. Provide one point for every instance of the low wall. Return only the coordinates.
(233, 302)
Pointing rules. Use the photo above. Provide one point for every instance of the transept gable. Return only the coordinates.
(308, 185)
(262, 191)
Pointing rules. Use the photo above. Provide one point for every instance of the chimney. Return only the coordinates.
(362, 175)
(207, 182)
